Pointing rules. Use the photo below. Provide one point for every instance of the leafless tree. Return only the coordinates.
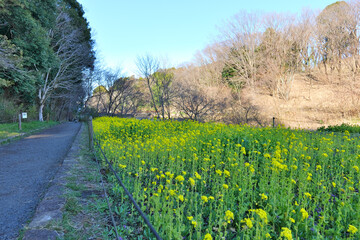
(335, 34)
(196, 97)
(72, 56)
(147, 65)
(158, 79)
(242, 38)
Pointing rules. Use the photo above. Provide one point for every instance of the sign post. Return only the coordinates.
(20, 122)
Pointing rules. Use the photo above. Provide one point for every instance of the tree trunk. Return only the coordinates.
(41, 107)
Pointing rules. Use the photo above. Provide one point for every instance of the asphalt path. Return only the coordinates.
(26, 168)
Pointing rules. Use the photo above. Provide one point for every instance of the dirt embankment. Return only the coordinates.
(314, 101)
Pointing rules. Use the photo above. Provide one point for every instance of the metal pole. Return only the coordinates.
(91, 134)
(273, 122)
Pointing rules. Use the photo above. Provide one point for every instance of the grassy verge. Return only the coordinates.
(86, 214)
(12, 129)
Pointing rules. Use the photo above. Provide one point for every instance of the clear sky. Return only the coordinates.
(125, 29)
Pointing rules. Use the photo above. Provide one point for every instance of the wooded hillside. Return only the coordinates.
(303, 69)
(46, 52)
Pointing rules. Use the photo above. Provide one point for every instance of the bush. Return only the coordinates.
(341, 128)
(8, 110)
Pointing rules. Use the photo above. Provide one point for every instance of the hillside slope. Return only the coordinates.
(313, 102)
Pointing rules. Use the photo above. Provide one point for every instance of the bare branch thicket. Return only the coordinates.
(196, 99)
(211, 63)
(147, 65)
(115, 93)
(159, 78)
(336, 28)
(72, 56)
(353, 60)
(280, 50)
(242, 38)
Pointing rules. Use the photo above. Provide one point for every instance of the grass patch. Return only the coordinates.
(72, 205)
(12, 129)
(75, 187)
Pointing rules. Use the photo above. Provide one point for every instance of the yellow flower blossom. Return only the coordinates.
(248, 222)
(194, 223)
(208, 237)
(192, 181)
(179, 178)
(204, 199)
(229, 216)
(263, 196)
(261, 213)
(304, 213)
(352, 229)
(286, 232)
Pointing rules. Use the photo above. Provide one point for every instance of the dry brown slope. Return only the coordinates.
(313, 102)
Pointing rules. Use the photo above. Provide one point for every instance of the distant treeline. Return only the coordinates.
(255, 51)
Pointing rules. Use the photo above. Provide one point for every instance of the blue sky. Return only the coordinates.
(125, 29)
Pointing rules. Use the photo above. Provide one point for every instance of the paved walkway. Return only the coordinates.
(26, 168)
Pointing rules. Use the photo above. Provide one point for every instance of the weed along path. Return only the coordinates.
(26, 168)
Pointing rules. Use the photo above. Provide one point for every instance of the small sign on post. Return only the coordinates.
(24, 115)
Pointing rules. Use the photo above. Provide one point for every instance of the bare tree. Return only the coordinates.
(72, 56)
(242, 38)
(335, 29)
(158, 80)
(147, 65)
(197, 98)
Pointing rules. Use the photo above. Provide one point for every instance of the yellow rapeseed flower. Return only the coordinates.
(208, 237)
(286, 232)
(263, 196)
(179, 178)
(204, 199)
(248, 222)
(261, 213)
(192, 181)
(229, 216)
(304, 213)
(352, 229)
(194, 223)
